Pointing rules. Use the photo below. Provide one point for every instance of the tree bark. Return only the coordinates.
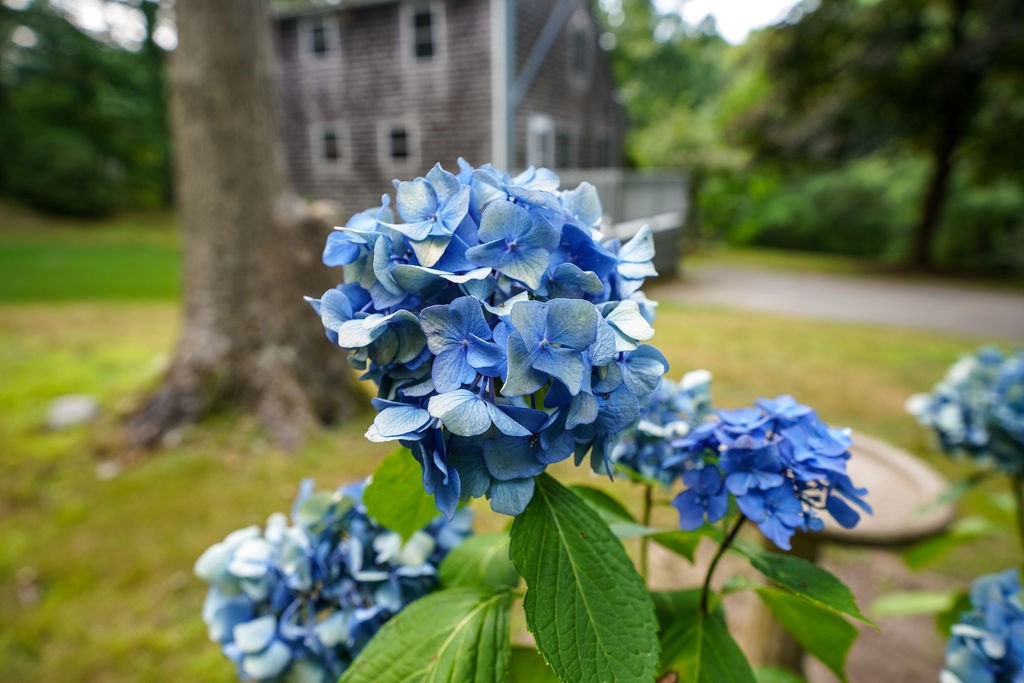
(961, 91)
(251, 247)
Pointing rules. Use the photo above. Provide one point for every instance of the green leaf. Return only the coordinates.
(587, 607)
(914, 603)
(963, 531)
(395, 497)
(610, 510)
(807, 580)
(771, 674)
(695, 645)
(682, 543)
(959, 489)
(459, 634)
(527, 666)
(944, 622)
(480, 560)
(820, 631)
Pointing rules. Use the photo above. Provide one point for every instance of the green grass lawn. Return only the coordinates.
(95, 574)
(124, 258)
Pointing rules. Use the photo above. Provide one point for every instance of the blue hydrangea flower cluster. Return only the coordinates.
(502, 332)
(977, 409)
(669, 413)
(779, 461)
(298, 601)
(987, 645)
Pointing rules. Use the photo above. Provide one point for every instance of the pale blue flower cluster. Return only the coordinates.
(502, 332)
(978, 409)
(779, 461)
(297, 601)
(669, 413)
(987, 645)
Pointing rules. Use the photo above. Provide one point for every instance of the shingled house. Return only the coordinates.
(378, 89)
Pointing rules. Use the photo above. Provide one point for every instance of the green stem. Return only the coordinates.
(706, 591)
(1018, 498)
(644, 540)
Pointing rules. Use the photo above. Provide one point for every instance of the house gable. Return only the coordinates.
(372, 90)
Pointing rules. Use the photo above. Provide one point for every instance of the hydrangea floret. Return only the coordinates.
(780, 463)
(987, 644)
(670, 412)
(299, 599)
(502, 331)
(977, 409)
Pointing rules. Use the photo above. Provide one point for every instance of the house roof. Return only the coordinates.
(298, 8)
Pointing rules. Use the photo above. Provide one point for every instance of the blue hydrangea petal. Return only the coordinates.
(511, 497)
(691, 512)
(567, 280)
(640, 248)
(451, 370)
(505, 424)
(462, 412)
(572, 323)
(629, 325)
(522, 378)
(583, 204)
(841, 512)
(431, 250)
(413, 278)
(416, 201)
(563, 364)
(222, 613)
(511, 458)
(343, 247)
(269, 663)
(397, 422)
(486, 357)
(255, 635)
(526, 264)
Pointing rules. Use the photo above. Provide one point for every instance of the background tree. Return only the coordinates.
(83, 118)
(931, 76)
(251, 248)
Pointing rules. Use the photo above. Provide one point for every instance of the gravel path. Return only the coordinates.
(963, 310)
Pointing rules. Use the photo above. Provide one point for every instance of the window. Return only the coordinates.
(318, 35)
(398, 145)
(423, 33)
(603, 152)
(330, 148)
(329, 145)
(579, 49)
(540, 147)
(563, 149)
(580, 43)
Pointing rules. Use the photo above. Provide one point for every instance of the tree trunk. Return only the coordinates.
(251, 248)
(961, 90)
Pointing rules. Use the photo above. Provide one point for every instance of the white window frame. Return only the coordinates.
(332, 37)
(407, 33)
(316, 141)
(384, 158)
(540, 140)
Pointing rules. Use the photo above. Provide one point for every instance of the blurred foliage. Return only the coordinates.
(889, 129)
(82, 120)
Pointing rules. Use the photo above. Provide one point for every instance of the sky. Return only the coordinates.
(735, 18)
